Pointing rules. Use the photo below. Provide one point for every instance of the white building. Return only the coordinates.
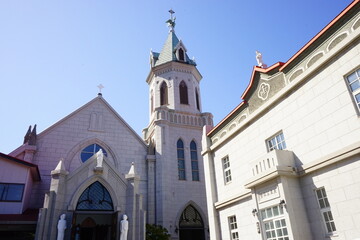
(158, 179)
(285, 163)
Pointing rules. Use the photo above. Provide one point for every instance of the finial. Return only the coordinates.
(100, 87)
(171, 21)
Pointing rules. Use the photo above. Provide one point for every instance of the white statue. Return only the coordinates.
(61, 227)
(99, 158)
(260, 60)
(124, 226)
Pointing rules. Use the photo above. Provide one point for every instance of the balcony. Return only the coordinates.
(273, 164)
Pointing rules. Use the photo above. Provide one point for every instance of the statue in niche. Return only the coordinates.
(99, 158)
(61, 227)
(124, 226)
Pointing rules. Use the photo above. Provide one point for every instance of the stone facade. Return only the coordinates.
(291, 147)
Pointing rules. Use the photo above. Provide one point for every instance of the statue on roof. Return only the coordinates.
(260, 60)
(171, 21)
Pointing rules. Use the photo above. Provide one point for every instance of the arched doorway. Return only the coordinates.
(94, 218)
(191, 225)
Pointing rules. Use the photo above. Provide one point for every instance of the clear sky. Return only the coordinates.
(54, 54)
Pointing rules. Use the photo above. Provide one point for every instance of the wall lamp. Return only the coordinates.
(254, 212)
(282, 203)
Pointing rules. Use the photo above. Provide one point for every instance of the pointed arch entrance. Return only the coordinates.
(191, 225)
(94, 217)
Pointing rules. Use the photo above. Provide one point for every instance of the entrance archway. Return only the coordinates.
(94, 218)
(191, 225)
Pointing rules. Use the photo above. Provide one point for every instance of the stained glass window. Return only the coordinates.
(95, 198)
(90, 150)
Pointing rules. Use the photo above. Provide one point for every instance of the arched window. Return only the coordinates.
(191, 224)
(181, 160)
(194, 162)
(95, 198)
(197, 99)
(181, 54)
(90, 150)
(183, 93)
(163, 94)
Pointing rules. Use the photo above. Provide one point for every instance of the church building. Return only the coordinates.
(94, 168)
(285, 163)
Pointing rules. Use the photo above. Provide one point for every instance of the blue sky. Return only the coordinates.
(54, 54)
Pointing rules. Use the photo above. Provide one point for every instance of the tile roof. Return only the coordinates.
(167, 53)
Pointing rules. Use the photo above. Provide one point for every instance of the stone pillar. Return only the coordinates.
(53, 205)
(131, 202)
(151, 161)
(29, 153)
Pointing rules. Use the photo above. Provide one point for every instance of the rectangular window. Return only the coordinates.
(325, 210)
(274, 223)
(353, 82)
(11, 192)
(234, 235)
(227, 171)
(276, 142)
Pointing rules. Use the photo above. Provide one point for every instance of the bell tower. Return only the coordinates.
(174, 134)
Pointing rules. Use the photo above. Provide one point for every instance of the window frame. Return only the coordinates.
(181, 160)
(164, 100)
(233, 229)
(5, 191)
(355, 94)
(326, 210)
(272, 220)
(275, 141)
(95, 145)
(183, 93)
(225, 161)
(194, 161)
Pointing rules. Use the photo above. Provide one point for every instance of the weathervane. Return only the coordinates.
(100, 87)
(171, 21)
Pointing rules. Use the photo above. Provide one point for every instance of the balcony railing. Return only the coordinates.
(273, 164)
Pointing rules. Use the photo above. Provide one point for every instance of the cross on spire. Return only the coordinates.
(171, 21)
(100, 88)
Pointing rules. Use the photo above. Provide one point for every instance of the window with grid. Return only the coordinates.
(11, 192)
(181, 160)
(227, 171)
(325, 210)
(234, 234)
(274, 223)
(276, 142)
(194, 162)
(353, 81)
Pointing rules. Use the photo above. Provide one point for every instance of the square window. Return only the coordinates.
(276, 142)
(11, 192)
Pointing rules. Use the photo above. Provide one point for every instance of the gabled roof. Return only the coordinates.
(101, 99)
(167, 54)
(33, 167)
